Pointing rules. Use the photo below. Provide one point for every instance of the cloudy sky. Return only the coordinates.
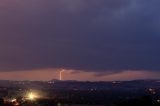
(90, 39)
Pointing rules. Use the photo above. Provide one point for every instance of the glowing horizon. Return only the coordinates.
(49, 74)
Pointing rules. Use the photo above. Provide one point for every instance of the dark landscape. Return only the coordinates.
(78, 93)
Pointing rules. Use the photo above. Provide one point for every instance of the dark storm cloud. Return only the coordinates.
(80, 34)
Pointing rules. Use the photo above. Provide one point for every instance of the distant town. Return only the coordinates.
(78, 93)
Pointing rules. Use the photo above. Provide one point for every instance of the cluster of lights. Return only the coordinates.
(30, 95)
(152, 91)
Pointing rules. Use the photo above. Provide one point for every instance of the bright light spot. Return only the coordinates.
(31, 96)
(13, 100)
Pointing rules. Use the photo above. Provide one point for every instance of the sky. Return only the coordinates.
(91, 40)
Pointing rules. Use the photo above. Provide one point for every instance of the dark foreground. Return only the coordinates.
(73, 93)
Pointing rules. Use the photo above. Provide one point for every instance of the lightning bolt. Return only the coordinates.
(60, 74)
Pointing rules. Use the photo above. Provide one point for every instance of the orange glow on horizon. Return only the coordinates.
(49, 74)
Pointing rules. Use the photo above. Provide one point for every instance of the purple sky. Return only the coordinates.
(87, 36)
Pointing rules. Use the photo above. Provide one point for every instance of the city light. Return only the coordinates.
(32, 96)
(13, 100)
(158, 101)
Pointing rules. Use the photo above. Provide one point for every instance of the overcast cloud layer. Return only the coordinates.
(89, 35)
